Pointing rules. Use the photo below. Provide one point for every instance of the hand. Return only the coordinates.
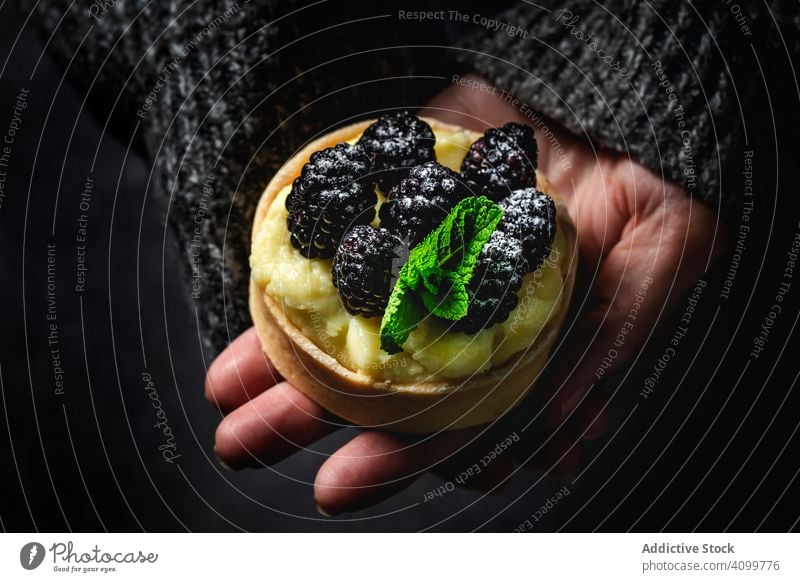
(633, 228)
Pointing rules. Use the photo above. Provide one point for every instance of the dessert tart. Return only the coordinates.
(412, 275)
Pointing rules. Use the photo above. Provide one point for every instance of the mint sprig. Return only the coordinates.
(435, 278)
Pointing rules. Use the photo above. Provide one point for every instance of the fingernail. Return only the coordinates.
(321, 511)
(225, 465)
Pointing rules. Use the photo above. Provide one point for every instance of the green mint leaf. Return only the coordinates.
(452, 304)
(461, 237)
(403, 314)
(438, 270)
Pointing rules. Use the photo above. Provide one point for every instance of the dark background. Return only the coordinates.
(713, 448)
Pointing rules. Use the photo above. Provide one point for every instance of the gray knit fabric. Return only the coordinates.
(220, 93)
(675, 84)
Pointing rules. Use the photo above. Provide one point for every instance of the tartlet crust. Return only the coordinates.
(414, 408)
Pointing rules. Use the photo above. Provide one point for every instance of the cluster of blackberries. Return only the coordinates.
(518, 246)
(331, 195)
(335, 192)
(332, 204)
(501, 161)
(364, 267)
(395, 143)
(419, 203)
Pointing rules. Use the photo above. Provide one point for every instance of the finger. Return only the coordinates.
(240, 373)
(376, 465)
(269, 428)
(661, 253)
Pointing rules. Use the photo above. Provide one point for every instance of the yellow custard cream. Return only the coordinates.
(305, 289)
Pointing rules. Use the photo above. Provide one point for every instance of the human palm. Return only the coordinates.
(643, 242)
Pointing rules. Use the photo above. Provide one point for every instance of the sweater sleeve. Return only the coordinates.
(686, 88)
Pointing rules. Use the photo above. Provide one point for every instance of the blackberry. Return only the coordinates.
(495, 282)
(530, 216)
(395, 143)
(330, 196)
(421, 201)
(363, 269)
(503, 160)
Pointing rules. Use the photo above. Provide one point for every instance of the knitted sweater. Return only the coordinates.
(219, 93)
(684, 88)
